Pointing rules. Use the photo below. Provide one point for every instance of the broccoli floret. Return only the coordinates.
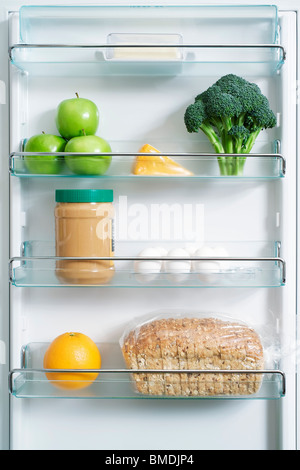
(240, 136)
(231, 113)
(196, 118)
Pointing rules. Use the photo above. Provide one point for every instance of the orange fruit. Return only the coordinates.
(72, 351)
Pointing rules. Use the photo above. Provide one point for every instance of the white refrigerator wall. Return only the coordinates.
(248, 211)
(4, 235)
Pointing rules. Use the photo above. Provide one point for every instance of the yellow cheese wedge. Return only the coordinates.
(157, 165)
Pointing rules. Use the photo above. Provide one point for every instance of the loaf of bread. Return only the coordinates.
(195, 344)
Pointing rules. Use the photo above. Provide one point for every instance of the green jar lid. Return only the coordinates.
(84, 195)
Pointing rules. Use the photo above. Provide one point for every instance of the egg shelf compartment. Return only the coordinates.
(39, 267)
(193, 59)
(30, 380)
(201, 165)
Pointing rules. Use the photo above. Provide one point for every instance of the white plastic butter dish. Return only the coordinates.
(150, 47)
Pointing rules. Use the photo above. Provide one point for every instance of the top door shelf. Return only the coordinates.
(195, 24)
(163, 40)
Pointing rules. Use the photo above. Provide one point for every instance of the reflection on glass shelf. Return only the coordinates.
(38, 266)
(115, 381)
(197, 165)
(195, 60)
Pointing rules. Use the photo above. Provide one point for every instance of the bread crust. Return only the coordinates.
(194, 344)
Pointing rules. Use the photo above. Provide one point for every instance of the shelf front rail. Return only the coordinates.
(191, 155)
(150, 371)
(141, 258)
(20, 259)
(158, 46)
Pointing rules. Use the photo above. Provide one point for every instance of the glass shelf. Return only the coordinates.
(30, 380)
(257, 23)
(39, 267)
(252, 34)
(193, 60)
(201, 165)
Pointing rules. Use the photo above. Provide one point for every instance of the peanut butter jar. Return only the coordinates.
(84, 229)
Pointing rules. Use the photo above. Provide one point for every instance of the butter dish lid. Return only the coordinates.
(84, 195)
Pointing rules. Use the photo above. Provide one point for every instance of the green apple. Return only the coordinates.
(76, 117)
(44, 164)
(87, 164)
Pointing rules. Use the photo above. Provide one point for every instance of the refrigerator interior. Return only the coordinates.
(254, 216)
(4, 244)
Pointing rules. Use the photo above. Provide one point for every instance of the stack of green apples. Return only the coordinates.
(77, 121)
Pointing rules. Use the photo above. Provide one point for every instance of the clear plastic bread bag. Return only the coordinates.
(193, 341)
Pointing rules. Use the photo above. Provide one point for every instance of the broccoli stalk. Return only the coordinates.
(231, 113)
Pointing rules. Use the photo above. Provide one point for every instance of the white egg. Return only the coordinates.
(205, 266)
(178, 266)
(151, 266)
